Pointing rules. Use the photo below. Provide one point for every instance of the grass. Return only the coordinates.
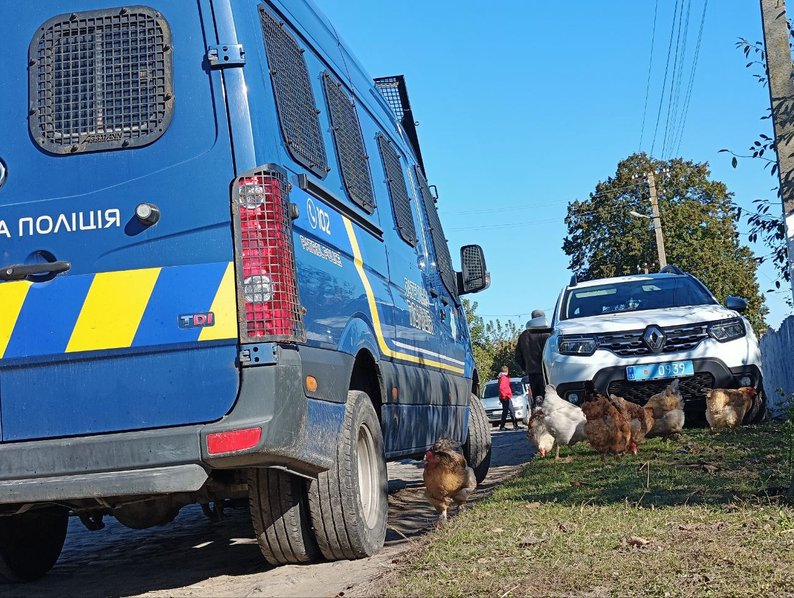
(701, 516)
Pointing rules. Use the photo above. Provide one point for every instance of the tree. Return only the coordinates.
(698, 219)
(492, 343)
(766, 222)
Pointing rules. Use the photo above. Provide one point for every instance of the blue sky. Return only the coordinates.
(525, 105)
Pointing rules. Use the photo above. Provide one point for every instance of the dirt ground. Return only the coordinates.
(195, 557)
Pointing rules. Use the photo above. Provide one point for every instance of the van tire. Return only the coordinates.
(477, 448)
(280, 514)
(349, 503)
(31, 543)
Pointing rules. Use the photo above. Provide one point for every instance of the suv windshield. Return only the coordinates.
(635, 295)
(492, 389)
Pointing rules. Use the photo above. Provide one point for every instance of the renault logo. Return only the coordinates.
(654, 338)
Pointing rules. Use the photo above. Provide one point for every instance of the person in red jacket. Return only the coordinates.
(506, 398)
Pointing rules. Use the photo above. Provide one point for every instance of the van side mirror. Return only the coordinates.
(474, 276)
(736, 303)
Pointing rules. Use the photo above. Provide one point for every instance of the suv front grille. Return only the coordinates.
(691, 388)
(677, 338)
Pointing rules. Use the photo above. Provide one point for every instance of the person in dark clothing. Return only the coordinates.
(506, 398)
(529, 351)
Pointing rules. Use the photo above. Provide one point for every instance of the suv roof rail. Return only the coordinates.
(671, 269)
(574, 281)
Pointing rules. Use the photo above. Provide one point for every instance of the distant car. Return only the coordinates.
(632, 335)
(521, 401)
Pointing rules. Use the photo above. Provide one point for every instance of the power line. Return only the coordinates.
(673, 80)
(648, 82)
(664, 83)
(688, 95)
(679, 81)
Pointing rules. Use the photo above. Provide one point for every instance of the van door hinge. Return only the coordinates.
(226, 55)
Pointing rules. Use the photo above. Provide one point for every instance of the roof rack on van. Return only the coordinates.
(395, 93)
(671, 269)
(574, 281)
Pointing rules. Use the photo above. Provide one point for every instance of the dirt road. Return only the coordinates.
(194, 557)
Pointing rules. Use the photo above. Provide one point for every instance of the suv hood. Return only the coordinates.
(639, 320)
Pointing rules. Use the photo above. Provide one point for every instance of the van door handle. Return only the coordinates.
(23, 271)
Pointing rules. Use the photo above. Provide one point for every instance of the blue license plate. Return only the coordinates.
(658, 371)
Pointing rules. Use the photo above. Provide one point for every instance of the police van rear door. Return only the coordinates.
(117, 305)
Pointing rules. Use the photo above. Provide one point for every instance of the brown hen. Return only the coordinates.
(608, 425)
(668, 412)
(447, 477)
(726, 408)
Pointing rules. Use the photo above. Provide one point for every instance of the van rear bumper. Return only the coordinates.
(298, 434)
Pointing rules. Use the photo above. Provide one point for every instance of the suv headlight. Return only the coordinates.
(577, 345)
(727, 330)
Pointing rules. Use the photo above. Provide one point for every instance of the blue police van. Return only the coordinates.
(222, 276)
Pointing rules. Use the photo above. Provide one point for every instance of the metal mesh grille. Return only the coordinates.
(267, 277)
(472, 266)
(297, 110)
(101, 80)
(389, 88)
(349, 144)
(395, 181)
(443, 259)
(677, 338)
(692, 388)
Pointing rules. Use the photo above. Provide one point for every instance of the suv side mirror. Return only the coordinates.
(474, 276)
(736, 303)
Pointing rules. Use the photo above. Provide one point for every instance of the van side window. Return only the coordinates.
(100, 80)
(353, 159)
(297, 110)
(443, 259)
(395, 181)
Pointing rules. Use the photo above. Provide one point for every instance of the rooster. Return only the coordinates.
(726, 408)
(608, 426)
(563, 420)
(538, 433)
(668, 412)
(447, 477)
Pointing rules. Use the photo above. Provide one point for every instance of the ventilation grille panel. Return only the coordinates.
(101, 80)
(353, 160)
(297, 110)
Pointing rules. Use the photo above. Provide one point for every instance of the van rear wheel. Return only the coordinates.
(477, 448)
(280, 514)
(31, 543)
(349, 502)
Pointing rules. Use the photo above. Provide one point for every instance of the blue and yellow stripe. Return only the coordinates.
(116, 310)
(383, 345)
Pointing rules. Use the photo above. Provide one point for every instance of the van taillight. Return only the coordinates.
(266, 278)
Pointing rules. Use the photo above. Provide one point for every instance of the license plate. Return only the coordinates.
(658, 371)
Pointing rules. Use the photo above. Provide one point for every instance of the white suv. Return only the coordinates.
(632, 334)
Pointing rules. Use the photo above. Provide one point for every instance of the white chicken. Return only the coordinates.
(563, 420)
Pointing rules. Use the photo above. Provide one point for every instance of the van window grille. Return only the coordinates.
(297, 110)
(101, 80)
(395, 92)
(353, 159)
(395, 181)
(443, 259)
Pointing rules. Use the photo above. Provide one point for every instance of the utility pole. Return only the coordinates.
(657, 221)
(781, 96)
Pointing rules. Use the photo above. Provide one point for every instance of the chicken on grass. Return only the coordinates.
(726, 408)
(668, 412)
(608, 425)
(447, 477)
(561, 419)
(538, 433)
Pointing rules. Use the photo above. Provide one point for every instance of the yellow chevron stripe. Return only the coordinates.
(112, 310)
(373, 308)
(12, 297)
(224, 307)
